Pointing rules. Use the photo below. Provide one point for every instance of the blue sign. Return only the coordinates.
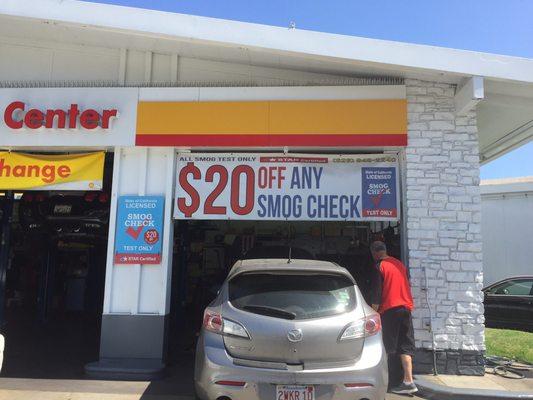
(379, 192)
(139, 230)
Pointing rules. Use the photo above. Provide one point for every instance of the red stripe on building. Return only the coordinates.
(270, 140)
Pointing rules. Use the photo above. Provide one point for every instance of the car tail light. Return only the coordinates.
(364, 327)
(214, 322)
(39, 197)
(28, 198)
(230, 383)
(103, 198)
(90, 197)
(372, 324)
(232, 328)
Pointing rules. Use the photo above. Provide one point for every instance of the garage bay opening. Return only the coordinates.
(54, 260)
(205, 250)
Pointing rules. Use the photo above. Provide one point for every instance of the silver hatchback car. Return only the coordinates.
(290, 330)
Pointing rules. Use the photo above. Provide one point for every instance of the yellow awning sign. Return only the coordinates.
(278, 123)
(20, 171)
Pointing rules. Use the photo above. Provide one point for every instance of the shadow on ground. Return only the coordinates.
(51, 358)
(57, 350)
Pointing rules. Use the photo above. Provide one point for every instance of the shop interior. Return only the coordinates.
(53, 258)
(205, 250)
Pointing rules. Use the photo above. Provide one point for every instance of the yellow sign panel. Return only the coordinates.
(19, 171)
(309, 123)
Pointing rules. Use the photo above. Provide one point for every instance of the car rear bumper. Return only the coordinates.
(213, 364)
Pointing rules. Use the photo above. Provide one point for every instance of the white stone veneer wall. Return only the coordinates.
(443, 219)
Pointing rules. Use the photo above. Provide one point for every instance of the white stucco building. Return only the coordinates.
(507, 209)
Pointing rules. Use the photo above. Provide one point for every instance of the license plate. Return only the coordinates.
(295, 392)
(62, 209)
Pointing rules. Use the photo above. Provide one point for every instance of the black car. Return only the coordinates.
(509, 303)
(65, 214)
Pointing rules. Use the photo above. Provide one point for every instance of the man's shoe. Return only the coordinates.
(405, 388)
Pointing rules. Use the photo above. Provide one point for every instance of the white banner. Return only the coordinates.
(296, 187)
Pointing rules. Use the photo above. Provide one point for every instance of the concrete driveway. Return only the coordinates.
(72, 389)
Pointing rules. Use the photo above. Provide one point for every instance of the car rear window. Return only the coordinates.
(292, 296)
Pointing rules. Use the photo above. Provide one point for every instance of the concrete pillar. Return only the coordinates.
(444, 230)
(137, 297)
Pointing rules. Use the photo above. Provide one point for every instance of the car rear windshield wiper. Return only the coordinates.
(270, 311)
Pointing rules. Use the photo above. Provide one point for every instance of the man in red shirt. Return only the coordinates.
(394, 302)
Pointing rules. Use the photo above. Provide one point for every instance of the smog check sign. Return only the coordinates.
(139, 230)
(292, 187)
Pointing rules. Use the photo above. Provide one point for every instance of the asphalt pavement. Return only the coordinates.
(67, 389)
(391, 396)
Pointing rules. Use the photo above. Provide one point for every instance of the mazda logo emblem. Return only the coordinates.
(295, 335)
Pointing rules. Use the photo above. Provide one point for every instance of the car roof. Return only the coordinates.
(283, 264)
(510, 278)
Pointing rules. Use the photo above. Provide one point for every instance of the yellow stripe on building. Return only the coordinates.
(273, 117)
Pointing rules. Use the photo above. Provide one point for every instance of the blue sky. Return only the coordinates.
(495, 26)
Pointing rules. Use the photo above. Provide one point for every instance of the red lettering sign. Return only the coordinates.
(16, 117)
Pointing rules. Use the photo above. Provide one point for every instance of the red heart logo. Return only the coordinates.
(377, 199)
(134, 233)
